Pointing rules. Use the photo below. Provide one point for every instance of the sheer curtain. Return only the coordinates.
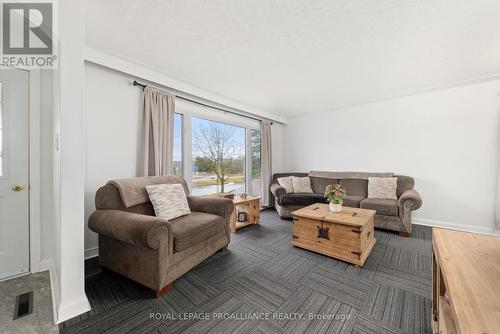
(266, 167)
(157, 133)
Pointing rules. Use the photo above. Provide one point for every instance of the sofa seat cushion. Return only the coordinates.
(387, 207)
(301, 199)
(353, 201)
(192, 229)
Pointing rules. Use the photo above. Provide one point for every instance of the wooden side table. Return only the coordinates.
(250, 205)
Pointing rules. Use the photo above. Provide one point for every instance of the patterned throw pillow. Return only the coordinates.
(169, 200)
(301, 184)
(286, 182)
(382, 187)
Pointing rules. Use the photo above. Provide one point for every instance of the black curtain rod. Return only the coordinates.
(136, 83)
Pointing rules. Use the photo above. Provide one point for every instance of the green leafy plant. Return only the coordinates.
(335, 193)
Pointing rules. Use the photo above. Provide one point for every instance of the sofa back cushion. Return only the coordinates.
(348, 175)
(355, 187)
(355, 183)
(318, 184)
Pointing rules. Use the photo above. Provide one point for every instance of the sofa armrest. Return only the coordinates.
(132, 228)
(412, 197)
(277, 190)
(214, 205)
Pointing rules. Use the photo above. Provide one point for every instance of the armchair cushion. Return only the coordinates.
(387, 207)
(192, 229)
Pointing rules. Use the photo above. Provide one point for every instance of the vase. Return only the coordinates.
(335, 207)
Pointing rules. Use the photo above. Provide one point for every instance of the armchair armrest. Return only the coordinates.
(412, 197)
(132, 228)
(277, 190)
(214, 205)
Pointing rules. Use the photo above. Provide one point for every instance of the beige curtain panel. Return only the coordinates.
(157, 133)
(265, 160)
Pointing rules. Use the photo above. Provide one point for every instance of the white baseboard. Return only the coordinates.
(62, 310)
(45, 265)
(72, 308)
(49, 265)
(91, 252)
(455, 226)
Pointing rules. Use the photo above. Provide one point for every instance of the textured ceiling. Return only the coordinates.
(296, 57)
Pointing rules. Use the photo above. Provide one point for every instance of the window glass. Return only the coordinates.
(218, 158)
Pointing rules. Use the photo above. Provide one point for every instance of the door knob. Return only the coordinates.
(17, 187)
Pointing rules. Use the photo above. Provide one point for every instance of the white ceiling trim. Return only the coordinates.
(139, 71)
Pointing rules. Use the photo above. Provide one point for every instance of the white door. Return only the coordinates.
(14, 224)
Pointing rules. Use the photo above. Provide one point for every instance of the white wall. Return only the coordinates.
(447, 140)
(113, 107)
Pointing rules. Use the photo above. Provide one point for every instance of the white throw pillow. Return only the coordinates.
(382, 187)
(286, 182)
(301, 184)
(169, 200)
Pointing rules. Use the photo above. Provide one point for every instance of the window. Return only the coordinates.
(255, 187)
(219, 157)
(177, 167)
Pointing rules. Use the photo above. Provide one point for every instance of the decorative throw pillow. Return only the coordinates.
(286, 182)
(169, 200)
(382, 187)
(301, 184)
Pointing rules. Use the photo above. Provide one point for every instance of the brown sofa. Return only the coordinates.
(391, 214)
(151, 250)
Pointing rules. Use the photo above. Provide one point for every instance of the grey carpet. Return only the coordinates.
(262, 272)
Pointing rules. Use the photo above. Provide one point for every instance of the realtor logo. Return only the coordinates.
(27, 35)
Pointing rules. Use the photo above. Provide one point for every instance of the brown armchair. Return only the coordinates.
(151, 250)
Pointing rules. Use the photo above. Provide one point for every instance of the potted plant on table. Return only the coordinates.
(335, 195)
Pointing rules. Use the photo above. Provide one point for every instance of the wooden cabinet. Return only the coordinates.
(250, 206)
(465, 282)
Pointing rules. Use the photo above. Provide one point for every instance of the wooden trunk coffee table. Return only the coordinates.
(346, 235)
